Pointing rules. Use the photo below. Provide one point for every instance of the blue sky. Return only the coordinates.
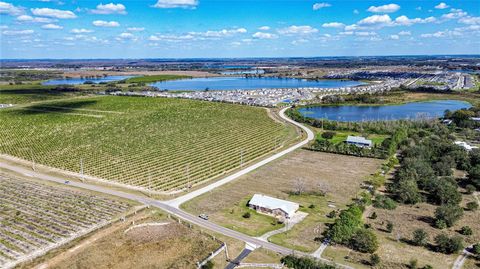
(254, 28)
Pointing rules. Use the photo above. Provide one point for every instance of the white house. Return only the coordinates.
(273, 206)
(359, 141)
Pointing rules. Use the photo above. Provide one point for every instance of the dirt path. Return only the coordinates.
(68, 253)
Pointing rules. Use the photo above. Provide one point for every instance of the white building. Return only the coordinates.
(359, 141)
(273, 206)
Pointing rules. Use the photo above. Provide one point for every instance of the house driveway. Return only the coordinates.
(299, 216)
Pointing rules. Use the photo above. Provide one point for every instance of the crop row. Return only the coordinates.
(34, 216)
(159, 144)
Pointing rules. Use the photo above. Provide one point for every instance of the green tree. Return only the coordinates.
(448, 245)
(466, 230)
(474, 175)
(364, 241)
(449, 214)
(407, 192)
(420, 237)
(328, 135)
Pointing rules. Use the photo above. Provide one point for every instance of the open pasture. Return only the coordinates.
(157, 144)
(35, 218)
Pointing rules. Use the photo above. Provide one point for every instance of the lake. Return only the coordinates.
(242, 83)
(414, 110)
(76, 81)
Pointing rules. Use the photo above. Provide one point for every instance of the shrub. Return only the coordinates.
(472, 206)
(428, 266)
(420, 237)
(312, 206)
(345, 226)
(449, 214)
(476, 249)
(413, 264)
(374, 260)
(332, 214)
(440, 224)
(208, 265)
(466, 230)
(448, 245)
(328, 135)
(373, 215)
(389, 227)
(470, 188)
(384, 202)
(291, 261)
(364, 241)
(246, 215)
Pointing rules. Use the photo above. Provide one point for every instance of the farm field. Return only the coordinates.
(341, 136)
(35, 217)
(27, 93)
(155, 78)
(163, 244)
(155, 144)
(338, 175)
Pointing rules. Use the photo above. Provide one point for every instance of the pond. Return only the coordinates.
(242, 83)
(76, 81)
(414, 110)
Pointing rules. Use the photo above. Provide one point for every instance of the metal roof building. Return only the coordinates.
(359, 141)
(273, 206)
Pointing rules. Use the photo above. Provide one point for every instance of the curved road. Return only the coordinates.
(171, 206)
(310, 136)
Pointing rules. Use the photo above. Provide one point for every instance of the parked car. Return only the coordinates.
(203, 216)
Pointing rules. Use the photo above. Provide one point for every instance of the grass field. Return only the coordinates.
(172, 245)
(340, 176)
(155, 78)
(23, 94)
(154, 143)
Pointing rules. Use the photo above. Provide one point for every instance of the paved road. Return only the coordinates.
(172, 205)
(310, 136)
(458, 264)
(238, 259)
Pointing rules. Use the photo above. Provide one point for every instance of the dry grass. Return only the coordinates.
(170, 246)
(339, 175)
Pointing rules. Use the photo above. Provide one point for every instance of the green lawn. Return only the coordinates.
(256, 225)
(155, 78)
(161, 144)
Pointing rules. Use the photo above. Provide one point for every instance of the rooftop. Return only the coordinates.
(273, 203)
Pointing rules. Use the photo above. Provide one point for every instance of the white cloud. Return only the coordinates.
(294, 29)
(80, 31)
(439, 34)
(154, 38)
(176, 4)
(376, 20)
(418, 8)
(404, 33)
(126, 36)
(110, 9)
(442, 5)
(135, 29)
(395, 37)
(264, 28)
(18, 32)
(454, 14)
(220, 33)
(390, 8)
(404, 20)
(365, 33)
(261, 35)
(2, 27)
(100, 23)
(7, 8)
(28, 18)
(318, 6)
(333, 25)
(52, 26)
(469, 20)
(299, 41)
(53, 13)
(355, 11)
(351, 27)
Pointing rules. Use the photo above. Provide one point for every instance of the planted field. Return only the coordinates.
(152, 143)
(36, 217)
